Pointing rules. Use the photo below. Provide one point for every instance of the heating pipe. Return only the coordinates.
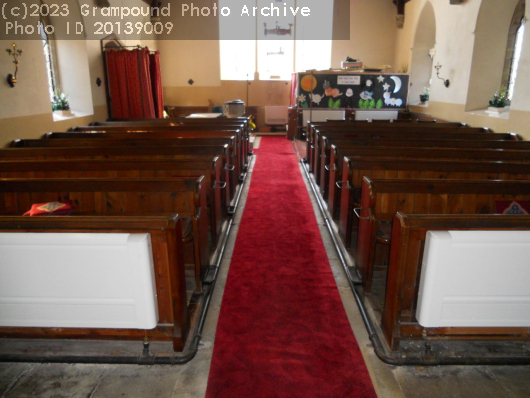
(429, 358)
(145, 358)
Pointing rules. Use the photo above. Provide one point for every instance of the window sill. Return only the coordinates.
(74, 115)
(485, 112)
(421, 104)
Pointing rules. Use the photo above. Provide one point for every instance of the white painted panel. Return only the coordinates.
(376, 115)
(475, 278)
(95, 280)
(322, 115)
(276, 115)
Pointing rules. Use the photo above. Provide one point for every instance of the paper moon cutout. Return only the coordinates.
(397, 80)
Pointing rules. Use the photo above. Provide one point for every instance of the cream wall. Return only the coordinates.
(455, 43)
(372, 39)
(25, 110)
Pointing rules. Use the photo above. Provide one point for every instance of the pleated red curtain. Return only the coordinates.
(135, 84)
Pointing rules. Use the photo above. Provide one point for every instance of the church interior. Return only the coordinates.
(264, 198)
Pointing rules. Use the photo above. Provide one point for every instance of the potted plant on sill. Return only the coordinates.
(425, 96)
(498, 102)
(60, 104)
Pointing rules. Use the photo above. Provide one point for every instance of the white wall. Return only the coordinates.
(455, 44)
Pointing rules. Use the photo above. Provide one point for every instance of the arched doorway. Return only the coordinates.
(421, 63)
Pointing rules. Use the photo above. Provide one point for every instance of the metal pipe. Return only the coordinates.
(145, 358)
(429, 358)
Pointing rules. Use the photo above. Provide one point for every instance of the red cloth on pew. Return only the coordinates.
(63, 208)
(512, 207)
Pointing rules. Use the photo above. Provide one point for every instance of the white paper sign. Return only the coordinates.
(349, 80)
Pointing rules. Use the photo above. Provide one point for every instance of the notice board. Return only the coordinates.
(351, 90)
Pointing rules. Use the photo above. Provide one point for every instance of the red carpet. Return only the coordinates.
(282, 330)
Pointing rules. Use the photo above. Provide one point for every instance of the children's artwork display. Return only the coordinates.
(354, 90)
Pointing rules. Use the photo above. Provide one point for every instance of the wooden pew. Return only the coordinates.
(395, 135)
(382, 199)
(355, 169)
(326, 141)
(243, 141)
(166, 240)
(399, 123)
(153, 152)
(202, 139)
(331, 160)
(175, 132)
(141, 168)
(406, 254)
(185, 196)
(356, 126)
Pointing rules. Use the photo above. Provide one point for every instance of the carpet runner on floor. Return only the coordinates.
(283, 331)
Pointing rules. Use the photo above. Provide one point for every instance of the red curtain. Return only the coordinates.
(135, 84)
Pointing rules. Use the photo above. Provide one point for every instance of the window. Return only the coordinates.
(515, 60)
(274, 56)
(49, 59)
(513, 48)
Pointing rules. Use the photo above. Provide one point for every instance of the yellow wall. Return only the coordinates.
(34, 126)
(372, 39)
(25, 110)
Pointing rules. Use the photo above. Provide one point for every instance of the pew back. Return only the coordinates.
(404, 271)
(382, 199)
(166, 242)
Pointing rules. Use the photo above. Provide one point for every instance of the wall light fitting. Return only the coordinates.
(438, 67)
(13, 52)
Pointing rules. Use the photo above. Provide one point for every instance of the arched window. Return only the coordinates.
(513, 48)
(515, 60)
(50, 61)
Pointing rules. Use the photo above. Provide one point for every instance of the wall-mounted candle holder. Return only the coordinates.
(13, 52)
(438, 67)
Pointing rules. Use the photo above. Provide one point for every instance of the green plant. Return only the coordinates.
(426, 93)
(404, 68)
(60, 101)
(499, 99)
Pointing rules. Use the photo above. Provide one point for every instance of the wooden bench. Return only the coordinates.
(314, 148)
(166, 240)
(172, 132)
(353, 127)
(144, 168)
(331, 160)
(237, 129)
(124, 196)
(406, 254)
(355, 169)
(202, 139)
(382, 199)
(152, 152)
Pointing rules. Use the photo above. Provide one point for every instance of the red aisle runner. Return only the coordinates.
(282, 330)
